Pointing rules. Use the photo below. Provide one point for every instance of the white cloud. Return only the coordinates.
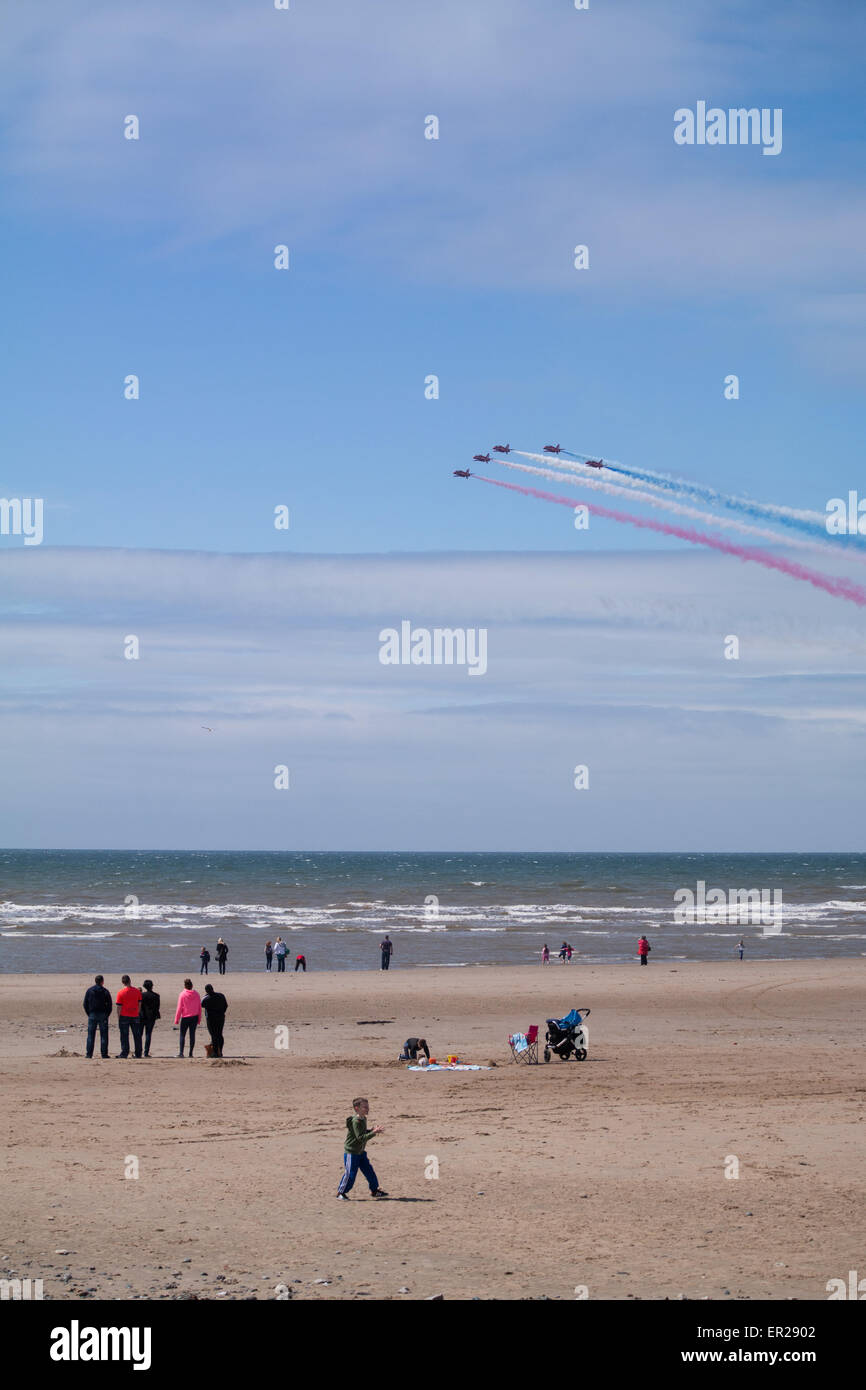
(612, 660)
(557, 126)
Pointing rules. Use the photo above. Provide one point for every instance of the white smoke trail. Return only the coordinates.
(800, 518)
(579, 475)
(839, 588)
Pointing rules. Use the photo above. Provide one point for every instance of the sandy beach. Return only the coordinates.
(606, 1175)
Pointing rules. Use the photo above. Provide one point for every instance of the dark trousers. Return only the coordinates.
(204, 966)
(147, 1031)
(215, 1028)
(643, 960)
(386, 960)
(301, 965)
(99, 1021)
(269, 960)
(188, 1025)
(352, 1165)
(281, 964)
(222, 966)
(125, 1025)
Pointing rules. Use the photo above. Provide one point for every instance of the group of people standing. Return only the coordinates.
(279, 949)
(222, 952)
(138, 1011)
(565, 953)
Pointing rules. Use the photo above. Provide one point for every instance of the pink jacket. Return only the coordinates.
(188, 1005)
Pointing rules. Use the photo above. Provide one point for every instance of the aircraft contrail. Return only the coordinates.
(799, 519)
(839, 588)
(589, 477)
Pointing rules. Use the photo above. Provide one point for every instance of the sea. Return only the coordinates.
(148, 912)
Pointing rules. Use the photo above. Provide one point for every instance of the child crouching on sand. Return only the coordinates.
(354, 1157)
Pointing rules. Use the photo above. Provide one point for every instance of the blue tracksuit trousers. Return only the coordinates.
(353, 1164)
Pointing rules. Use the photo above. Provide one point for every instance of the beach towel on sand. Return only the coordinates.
(451, 1066)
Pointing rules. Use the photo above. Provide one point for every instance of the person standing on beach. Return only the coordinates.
(269, 955)
(562, 950)
(205, 960)
(128, 1010)
(387, 949)
(354, 1157)
(222, 952)
(301, 963)
(149, 1014)
(741, 946)
(97, 1006)
(545, 954)
(188, 1015)
(643, 950)
(568, 955)
(280, 949)
(215, 1006)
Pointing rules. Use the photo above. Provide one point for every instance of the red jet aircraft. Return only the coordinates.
(502, 448)
(594, 463)
(462, 473)
(552, 448)
(481, 458)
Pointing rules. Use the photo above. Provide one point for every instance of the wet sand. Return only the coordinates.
(607, 1175)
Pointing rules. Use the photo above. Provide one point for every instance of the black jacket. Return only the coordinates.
(214, 1005)
(149, 1011)
(97, 1000)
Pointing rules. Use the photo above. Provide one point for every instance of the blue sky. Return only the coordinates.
(412, 256)
(306, 388)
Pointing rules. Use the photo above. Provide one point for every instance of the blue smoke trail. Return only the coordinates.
(804, 521)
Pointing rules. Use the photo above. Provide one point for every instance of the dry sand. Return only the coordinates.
(608, 1173)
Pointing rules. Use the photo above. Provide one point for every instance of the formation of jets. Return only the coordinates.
(506, 449)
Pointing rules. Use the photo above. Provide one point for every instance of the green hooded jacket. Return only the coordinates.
(357, 1134)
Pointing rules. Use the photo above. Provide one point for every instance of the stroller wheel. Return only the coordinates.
(580, 1054)
(547, 1054)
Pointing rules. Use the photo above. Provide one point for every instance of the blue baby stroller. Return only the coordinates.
(567, 1038)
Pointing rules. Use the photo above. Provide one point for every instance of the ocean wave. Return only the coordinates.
(74, 935)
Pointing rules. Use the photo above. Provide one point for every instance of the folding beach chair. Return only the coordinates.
(524, 1046)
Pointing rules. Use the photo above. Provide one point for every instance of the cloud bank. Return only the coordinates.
(615, 661)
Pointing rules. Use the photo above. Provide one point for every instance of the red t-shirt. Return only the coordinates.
(129, 999)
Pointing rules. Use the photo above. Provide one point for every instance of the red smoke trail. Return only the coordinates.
(839, 588)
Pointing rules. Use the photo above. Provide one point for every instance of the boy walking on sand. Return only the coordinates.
(354, 1157)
